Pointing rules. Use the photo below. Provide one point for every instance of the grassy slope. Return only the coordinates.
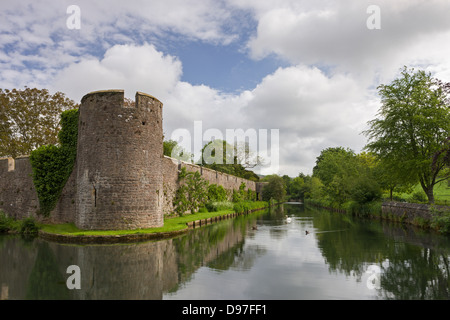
(441, 192)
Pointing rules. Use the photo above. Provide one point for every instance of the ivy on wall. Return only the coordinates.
(52, 165)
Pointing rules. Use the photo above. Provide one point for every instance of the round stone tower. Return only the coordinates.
(119, 162)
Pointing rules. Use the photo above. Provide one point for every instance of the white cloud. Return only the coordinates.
(335, 34)
(132, 68)
(324, 98)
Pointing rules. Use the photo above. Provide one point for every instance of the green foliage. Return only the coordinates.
(418, 197)
(365, 190)
(29, 118)
(440, 220)
(246, 206)
(6, 222)
(412, 129)
(52, 165)
(173, 150)
(217, 193)
(214, 206)
(240, 195)
(221, 156)
(275, 189)
(29, 226)
(346, 176)
(192, 192)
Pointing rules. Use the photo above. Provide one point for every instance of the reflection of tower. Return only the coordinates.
(119, 162)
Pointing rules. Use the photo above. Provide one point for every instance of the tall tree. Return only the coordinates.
(275, 188)
(30, 118)
(411, 128)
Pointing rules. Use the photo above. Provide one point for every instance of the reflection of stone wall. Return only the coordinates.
(144, 271)
(133, 271)
(16, 262)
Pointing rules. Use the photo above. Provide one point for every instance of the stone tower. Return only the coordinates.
(119, 162)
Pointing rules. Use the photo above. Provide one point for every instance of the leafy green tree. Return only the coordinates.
(411, 128)
(275, 189)
(337, 168)
(296, 188)
(192, 192)
(172, 149)
(220, 156)
(217, 193)
(30, 118)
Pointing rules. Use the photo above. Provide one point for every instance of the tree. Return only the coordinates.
(220, 155)
(411, 128)
(30, 118)
(275, 189)
(172, 149)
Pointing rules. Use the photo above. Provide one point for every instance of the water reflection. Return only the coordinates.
(232, 260)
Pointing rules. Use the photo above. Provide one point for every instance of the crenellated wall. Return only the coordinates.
(120, 180)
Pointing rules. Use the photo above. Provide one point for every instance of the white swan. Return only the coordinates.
(288, 219)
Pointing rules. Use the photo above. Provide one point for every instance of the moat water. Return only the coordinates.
(340, 257)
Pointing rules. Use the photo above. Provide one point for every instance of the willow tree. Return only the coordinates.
(411, 129)
(30, 118)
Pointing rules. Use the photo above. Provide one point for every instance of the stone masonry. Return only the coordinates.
(121, 180)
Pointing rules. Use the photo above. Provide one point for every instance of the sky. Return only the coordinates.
(305, 72)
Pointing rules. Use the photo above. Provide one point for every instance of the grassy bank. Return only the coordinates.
(171, 224)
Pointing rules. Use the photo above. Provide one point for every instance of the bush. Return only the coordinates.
(440, 220)
(366, 191)
(217, 193)
(419, 197)
(214, 206)
(203, 209)
(6, 223)
(29, 226)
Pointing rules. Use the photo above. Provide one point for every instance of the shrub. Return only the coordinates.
(217, 193)
(419, 196)
(440, 220)
(366, 191)
(28, 226)
(6, 223)
(214, 206)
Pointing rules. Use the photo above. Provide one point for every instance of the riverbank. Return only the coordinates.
(173, 227)
(420, 215)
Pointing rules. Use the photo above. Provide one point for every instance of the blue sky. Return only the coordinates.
(308, 69)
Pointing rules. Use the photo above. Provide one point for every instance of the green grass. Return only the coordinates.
(170, 225)
(441, 193)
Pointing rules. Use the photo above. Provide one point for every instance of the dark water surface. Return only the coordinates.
(340, 258)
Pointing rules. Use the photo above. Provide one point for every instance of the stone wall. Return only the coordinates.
(171, 168)
(409, 212)
(120, 180)
(18, 196)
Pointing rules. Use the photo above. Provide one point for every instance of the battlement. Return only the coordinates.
(116, 98)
